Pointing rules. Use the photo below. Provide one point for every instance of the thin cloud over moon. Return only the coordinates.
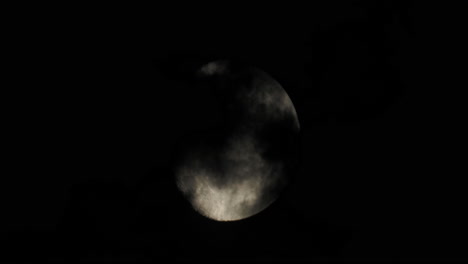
(239, 188)
(238, 179)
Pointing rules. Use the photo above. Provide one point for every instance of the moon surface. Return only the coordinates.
(242, 170)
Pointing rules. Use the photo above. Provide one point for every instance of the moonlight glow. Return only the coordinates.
(245, 180)
(236, 181)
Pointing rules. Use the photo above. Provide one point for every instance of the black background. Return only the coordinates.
(110, 97)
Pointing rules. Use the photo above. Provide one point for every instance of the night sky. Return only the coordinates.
(113, 99)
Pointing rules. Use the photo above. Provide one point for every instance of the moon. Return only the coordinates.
(238, 173)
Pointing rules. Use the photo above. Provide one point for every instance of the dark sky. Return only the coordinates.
(112, 96)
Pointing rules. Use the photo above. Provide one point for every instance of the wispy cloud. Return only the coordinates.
(213, 68)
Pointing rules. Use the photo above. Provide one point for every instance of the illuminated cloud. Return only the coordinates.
(213, 68)
(236, 190)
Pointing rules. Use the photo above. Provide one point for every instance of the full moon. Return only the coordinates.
(239, 172)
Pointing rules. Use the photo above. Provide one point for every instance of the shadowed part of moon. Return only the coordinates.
(241, 177)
